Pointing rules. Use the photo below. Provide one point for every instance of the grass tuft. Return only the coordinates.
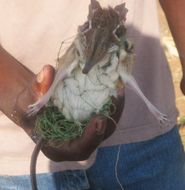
(52, 125)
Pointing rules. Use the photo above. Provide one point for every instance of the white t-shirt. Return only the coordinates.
(32, 31)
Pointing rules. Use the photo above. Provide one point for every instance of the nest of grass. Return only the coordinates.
(53, 126)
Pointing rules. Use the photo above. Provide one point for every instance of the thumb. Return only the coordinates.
(95, 129)
(42, 81)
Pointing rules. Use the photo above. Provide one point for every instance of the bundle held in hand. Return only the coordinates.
(98, 62)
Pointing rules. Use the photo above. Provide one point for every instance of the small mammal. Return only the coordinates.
(100, 48)
(97, 63)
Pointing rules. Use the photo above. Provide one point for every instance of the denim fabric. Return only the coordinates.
(68, 180)
(157, 164)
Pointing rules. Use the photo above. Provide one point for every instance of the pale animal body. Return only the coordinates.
(97, 62)
(80, 95)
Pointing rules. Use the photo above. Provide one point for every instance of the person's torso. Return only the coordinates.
(32, 31)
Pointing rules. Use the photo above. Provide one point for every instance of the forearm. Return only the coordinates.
(175, 14)
(14, 79)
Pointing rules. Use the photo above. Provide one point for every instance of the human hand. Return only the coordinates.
(182, 85)
(98, 129)
(20, 87)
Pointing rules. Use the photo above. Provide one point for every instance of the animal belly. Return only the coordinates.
(79, 103)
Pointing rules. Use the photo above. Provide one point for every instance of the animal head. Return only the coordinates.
(103, 29)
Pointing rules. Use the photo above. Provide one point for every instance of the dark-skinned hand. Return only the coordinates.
(20, 88)
(182, 85)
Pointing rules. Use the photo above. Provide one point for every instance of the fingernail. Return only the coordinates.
(40, 77)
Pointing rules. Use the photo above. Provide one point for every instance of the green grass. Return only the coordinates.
(52, 125)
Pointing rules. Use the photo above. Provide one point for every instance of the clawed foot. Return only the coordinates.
(163, 120)
(34, 108)
(41, 83)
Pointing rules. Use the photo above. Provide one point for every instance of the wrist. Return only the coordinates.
(14, 80)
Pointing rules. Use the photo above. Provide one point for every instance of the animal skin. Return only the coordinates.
(98, 62)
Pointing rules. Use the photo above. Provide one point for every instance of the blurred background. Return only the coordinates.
(175, 66)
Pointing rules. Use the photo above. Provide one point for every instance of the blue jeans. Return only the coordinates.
(157, 164)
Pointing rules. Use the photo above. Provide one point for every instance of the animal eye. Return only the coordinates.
(128, 46)
(118, 32)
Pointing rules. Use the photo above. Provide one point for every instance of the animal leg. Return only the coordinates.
(132, 84)
(60, 76)
(34, 108)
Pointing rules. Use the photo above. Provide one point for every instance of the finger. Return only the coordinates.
(43, 80)
(95, 128)
(92, 137)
